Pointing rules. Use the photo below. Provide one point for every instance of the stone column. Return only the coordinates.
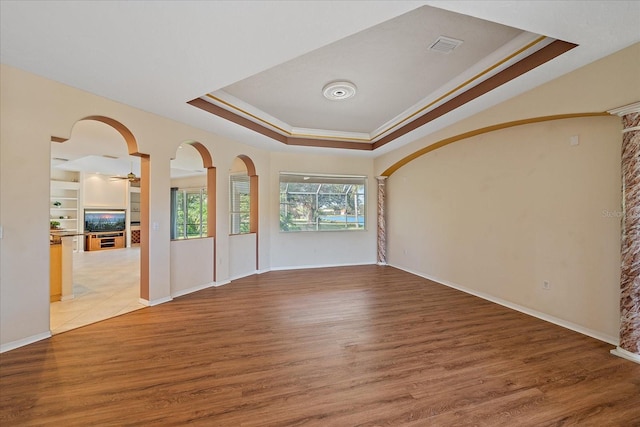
(629, 346)
(382, 226)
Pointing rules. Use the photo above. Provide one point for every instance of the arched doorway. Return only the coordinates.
(193, 219)
(95, 163)
(243, 216)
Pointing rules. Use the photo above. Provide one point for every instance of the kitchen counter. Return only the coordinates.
(55, 236)
(61, 264)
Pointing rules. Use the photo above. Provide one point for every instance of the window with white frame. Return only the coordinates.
(319, 202)
(239, 203)
(188, 213)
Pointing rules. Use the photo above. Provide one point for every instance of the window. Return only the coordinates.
(188, 213)
(240, 204)
(311, 202)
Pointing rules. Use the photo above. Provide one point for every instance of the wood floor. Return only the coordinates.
(352, 346)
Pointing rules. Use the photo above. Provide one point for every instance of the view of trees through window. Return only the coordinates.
(240, 204)
(189, 213)
(321, 202)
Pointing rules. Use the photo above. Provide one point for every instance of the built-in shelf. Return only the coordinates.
(64, 205)
(134, 205)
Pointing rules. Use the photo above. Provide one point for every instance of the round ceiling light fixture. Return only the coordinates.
(339, 90)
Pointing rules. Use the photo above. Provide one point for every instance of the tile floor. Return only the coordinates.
(105, 284)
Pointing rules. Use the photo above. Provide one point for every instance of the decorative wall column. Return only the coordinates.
(629, 346)
(382, 226)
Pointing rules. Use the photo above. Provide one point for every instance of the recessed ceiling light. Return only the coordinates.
(339, 90)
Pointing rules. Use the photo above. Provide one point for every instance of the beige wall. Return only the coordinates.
(498, 214)
(609, 83)
(191, 265)
(198, 181)
(34, 109)
(242, 253)
(501, 213)
(101, 191)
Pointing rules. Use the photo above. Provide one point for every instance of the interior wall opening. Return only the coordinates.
(192, 218)
(95, 226)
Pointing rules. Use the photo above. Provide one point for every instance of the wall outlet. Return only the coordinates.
(546, 285)
(574, 140)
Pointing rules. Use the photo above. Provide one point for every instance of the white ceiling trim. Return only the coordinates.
(231, 103)
(517, 49)
(514, 51)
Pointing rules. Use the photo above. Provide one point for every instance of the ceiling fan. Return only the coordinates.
(131, 177)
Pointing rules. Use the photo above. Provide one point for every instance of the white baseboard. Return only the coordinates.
(304, 267)
(193, 289)
(225, 282)
(24, 341)
(540, 315)
(158, 301)
(243, 275)
(296, 267)
(621, 352)
(200, 288)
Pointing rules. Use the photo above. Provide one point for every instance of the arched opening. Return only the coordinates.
(193, 216)
(101, 273)
(243, 191)
(207, 163)
(253, 194)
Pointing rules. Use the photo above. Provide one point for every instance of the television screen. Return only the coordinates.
(104, 220)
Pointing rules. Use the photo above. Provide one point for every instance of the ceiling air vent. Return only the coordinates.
(445, 44)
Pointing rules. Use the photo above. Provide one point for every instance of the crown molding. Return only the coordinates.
(242, 117)
(626, 109)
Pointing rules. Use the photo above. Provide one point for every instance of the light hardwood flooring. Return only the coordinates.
(105, 284)
(349, 346)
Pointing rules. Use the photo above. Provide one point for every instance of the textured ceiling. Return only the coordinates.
(390, 64)
(158, 56)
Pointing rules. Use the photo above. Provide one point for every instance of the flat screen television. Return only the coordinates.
(104, 220)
